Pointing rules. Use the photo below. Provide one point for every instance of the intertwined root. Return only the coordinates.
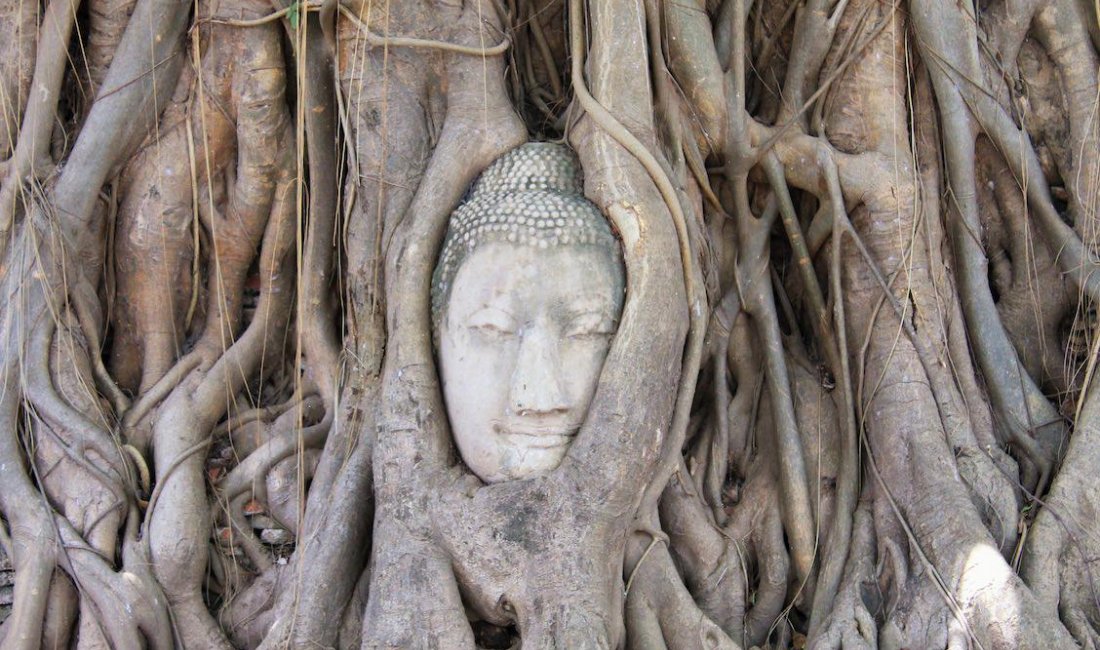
(881, 216)
(226, 168)
(205, 188)
(853, 624)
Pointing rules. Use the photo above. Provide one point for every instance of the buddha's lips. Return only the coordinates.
(545, 436)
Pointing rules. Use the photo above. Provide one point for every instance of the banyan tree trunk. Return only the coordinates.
(849, 402)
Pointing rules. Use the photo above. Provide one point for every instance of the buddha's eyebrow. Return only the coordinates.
(589, 304)
(492, 305)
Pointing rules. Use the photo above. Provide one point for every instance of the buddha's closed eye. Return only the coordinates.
(590, 325)
(493, 322)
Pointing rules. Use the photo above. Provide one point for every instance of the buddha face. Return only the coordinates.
(522, 342)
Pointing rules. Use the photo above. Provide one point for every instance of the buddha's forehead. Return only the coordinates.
(523, 278)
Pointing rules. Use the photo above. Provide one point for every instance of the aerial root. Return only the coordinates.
(377, 40)
(284, 439)
(86, 305)
(756, 288)
(72, 431)
(851, 625)
(658, 600)
(34, 567)
(710, 558)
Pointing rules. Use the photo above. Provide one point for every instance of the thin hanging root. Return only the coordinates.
(758, 300)
(82, 297)
(256, 22)
(654, 541)
(398, 41)
(803, 260)
(142, 467)
(196, 226)
(699, 172)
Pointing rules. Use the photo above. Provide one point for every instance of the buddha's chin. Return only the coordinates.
(522, 459)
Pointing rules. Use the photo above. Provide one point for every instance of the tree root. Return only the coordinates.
(851, 624)
(1056, 561)
(176, 534)
(659, 608)
(31, 155)
(19, 25)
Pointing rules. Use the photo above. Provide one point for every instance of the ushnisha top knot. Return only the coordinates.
(530, 196)
(533, 166)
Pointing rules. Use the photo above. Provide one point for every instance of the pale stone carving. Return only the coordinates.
(526, 298)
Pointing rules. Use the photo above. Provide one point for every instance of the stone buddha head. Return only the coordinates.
(526, 297)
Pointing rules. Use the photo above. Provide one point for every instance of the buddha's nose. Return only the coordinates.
(537, 381)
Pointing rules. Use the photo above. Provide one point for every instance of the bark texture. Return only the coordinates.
(850, 402)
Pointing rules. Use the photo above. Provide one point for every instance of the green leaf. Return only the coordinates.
(292, 15)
